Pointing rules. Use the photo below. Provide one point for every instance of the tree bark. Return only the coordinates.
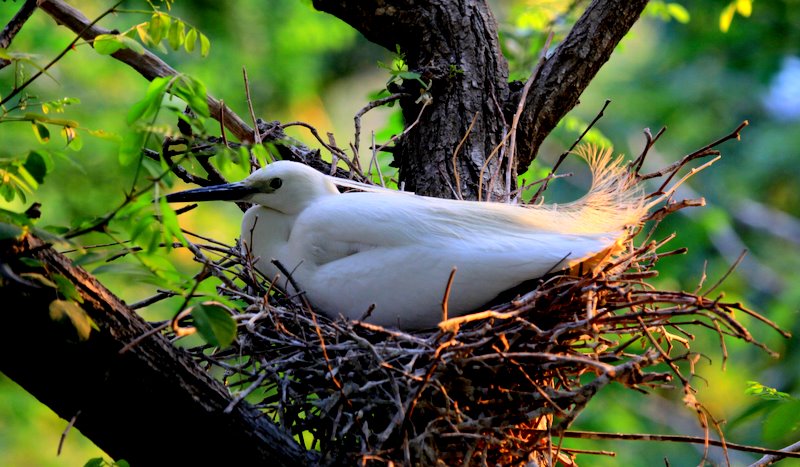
(151, 405)
(454, 45)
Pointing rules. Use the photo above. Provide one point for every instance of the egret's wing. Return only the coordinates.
(471, 232)
(397, 253)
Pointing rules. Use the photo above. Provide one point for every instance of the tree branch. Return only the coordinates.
(147, 64)
(572, 66)
(152, 393)
(14, 26)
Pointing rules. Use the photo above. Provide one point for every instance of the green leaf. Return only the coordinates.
(191, 38)
(679, 12)
(131, 43)
(41, 132)
(62, 310)
(144, 224)
(194, 93)
(161, 267)
(40, 278)
(726, 17)
(33, 263)
(170, 221)
(127, 270)
(75, 142)
(107, 44)
(142, 31)
(90, 257)
(754, 388)
(37, 165)
(782, 423)
(155, 29)
(205, 45)
(151, 101)
(131, 148)
(66, 288)
(410, 75)
(122, 463)
(744, 7)
(95, 462)
(214, 324)
(7, 191)
(177, 34)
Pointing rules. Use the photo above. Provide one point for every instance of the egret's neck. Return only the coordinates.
(265, 233)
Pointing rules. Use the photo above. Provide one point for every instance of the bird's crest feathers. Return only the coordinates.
(614, 200)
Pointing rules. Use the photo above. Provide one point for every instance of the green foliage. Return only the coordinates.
(214, 323)
(778, 410)
(161, 27)
(742, 7)
(15, 225)
(757, 389)
(398, 72)
(66, 288)
(70, 312)
(20, 177)
(667, 11)
(101, 462)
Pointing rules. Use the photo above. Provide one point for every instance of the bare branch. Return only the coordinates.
(572, 66)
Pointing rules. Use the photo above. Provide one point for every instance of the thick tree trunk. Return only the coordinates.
(453, 44)
(150, 405)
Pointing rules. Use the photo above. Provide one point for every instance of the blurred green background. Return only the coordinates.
(681, 72)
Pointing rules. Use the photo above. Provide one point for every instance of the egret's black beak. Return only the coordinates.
(227, 192)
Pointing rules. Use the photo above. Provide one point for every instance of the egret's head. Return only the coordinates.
(284, 186)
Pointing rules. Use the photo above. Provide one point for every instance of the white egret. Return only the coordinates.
(395, 251)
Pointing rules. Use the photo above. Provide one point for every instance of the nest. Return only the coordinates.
(490, 388)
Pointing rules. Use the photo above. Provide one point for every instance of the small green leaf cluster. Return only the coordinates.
(19, 177)
(21, 174)
(742, 7)
(100, 462)
(143, 114)
(668, 11)
(780, 409)
(161, 27)
(398, 71)
(754, 388)
(40, 122)
(523, 38)
(66, 308)
(214, 323)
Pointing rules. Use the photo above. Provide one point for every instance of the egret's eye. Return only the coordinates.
(275, 183)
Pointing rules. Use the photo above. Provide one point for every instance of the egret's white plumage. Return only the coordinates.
(396, 251)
